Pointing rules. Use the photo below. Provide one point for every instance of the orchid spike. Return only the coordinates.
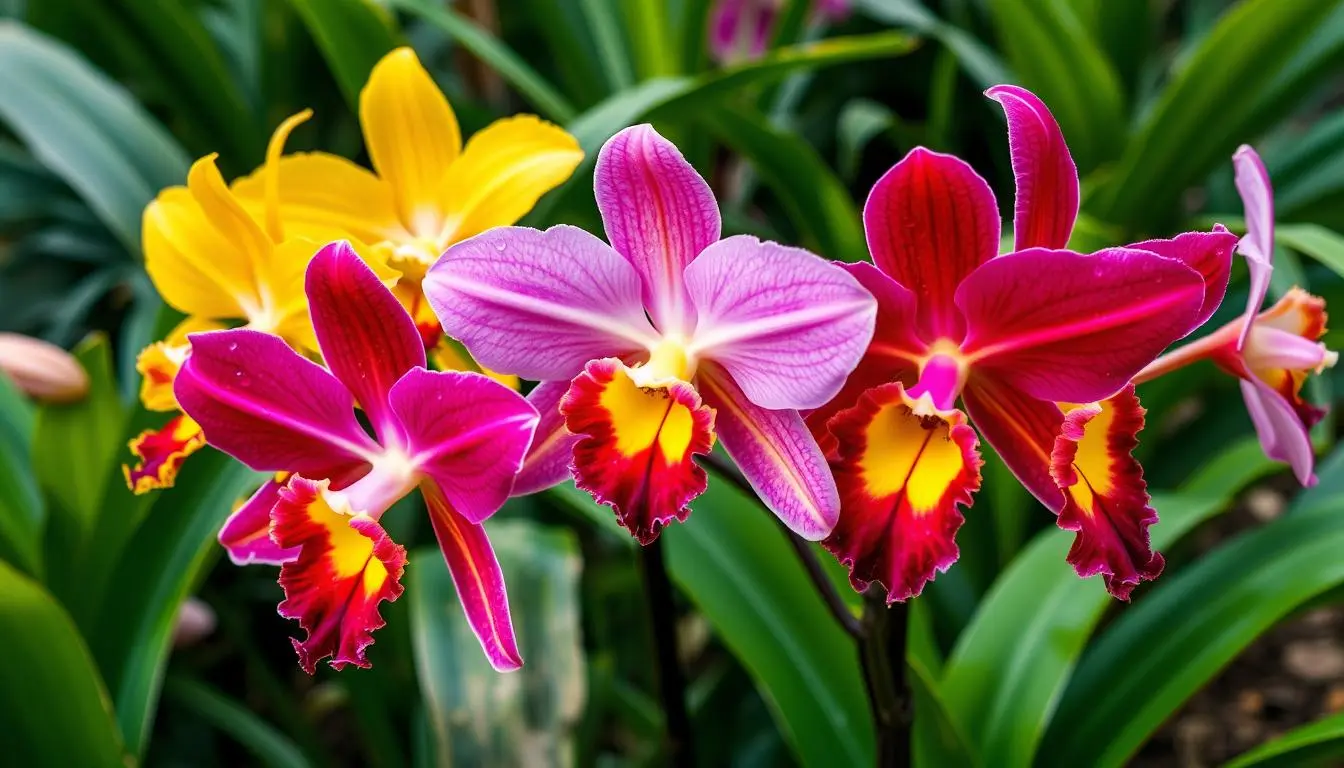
(654, 346)
(458, 437)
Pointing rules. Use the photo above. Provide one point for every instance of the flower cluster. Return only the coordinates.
(852, 397)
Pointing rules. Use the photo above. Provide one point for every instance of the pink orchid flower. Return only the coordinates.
(458, 437)
(1039, 345)
(1273, 351)
(649, 347)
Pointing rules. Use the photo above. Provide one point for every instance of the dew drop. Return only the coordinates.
(233, 346)
(501, 247)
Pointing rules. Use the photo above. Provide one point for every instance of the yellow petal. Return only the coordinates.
(412, 136)
(193, 266)
(227, 214)
(285, 277)
(271, 172)
(159, 363)
(505, 168)
(324, 197)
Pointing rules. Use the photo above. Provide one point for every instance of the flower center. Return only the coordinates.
(941, 376)
(668, 360)
(393, 476)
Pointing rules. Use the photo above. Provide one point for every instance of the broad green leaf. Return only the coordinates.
(1009, 667)
(544, 96)
(1321, 244)
(159, 567)
(353, 35)
(476, 715)
(936, 739)
(269, 746)
(817, 201)
(21, 508)
(980, 61)
(1052, 53)
(87, 129)
(55, 709)
(1316, 744)
(735, 565)
(1160, 652)
(1200, 116)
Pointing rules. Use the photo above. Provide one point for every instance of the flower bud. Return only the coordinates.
(42, 370)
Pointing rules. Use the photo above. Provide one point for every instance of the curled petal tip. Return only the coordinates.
(161, 453)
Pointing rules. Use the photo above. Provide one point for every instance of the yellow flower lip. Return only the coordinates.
(669, 361)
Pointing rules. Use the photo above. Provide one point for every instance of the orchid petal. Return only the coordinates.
(479, 581)
(902, 479)
(325, 197)
(1257, 198)
(659, 213)
(159, 362)
(1283, 435)
(161, 453)
(347, 565)
(539, 304)
(1046, 207)
(265, 405)
(549, 458)
(246, 535)
(777, 455)
(466, 432)
(787, 325)
(1082, 334)
(637, 445)
(412, 136)
(1208, 253)
(1105, 498)
(931, 220)
(367, 339)
(1022, 431)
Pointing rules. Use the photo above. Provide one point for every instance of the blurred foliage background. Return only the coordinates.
(1012, 660)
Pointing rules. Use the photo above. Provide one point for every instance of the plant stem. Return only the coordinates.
(882, 653)
(671, 681)
(825, 587)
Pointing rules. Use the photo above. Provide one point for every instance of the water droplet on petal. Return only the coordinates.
(233, 346)
(501, 247)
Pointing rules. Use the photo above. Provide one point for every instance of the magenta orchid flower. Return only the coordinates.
(458, 437)
(1039, 346)
(649, 347)
(1273, 351)
(741, 29)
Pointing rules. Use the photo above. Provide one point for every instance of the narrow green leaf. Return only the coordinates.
(549, 101)
(693, 31)
(979, 61)
(21, 509)
(646, 30)
(601, 16)
(474, 718)
(860, 121)
(1323, 245)
(936, 739)
(1160, 652)
(262, 740)
(1316, 744)
(1308, 167)
(53, 703)
(87, 129)
(353, 35)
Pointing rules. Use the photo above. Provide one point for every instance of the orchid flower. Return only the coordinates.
(741, 29)
(219, 262)
(649, 347)
(458, 437)
(1271, 351)
(1039, 345)
(428, 191)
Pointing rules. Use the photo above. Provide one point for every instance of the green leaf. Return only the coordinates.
(262, 740)
(1201, 115)
(979, 61)
(159, 567)
(87, 129)
(21, 509)
(1165, 648)
(1053, 54)
(55, 709)
(1316, 744)
(1323, 245)
(860, 121)
(601, 16)
(353, 35)
(477, 717)
(650, 45)
(543, 95)
(1309, 166)
(936, 738)
(1009, 667)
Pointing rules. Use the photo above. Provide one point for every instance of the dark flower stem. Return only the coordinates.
(881, 638)
(671, 681)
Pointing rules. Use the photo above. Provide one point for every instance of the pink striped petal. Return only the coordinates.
(367, 338)
(466, 431)
(479, 581)
(550, 458)
(270, 408)
(1208, 253)
(931, 220)
(659, 213)
(246, 535)
(539, 304)
(1283, 435)
(1257, 198)
(1047, 179)
(787, 325)
(777, 455)
(1066, 327)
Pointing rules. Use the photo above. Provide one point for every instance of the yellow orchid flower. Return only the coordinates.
(220, 263)
(429, 191)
